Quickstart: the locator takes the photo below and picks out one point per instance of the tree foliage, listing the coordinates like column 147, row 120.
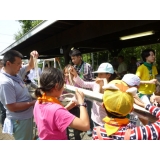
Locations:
column 26, row 25
column 106, row 56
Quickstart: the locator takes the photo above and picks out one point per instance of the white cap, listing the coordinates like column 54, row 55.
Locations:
column 105, row 68
column 131, row 79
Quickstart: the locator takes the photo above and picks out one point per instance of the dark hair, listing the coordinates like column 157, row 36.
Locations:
column 114, row 115
column 10, row 56
column 113, row 76
column 48, row 79
column 74, row 52
column 145, row 53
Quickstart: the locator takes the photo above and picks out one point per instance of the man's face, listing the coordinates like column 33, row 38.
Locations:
column 76, row 60
column 15, row 66
column 151, row 58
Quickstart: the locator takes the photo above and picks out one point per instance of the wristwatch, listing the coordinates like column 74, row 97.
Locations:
column 84, row 104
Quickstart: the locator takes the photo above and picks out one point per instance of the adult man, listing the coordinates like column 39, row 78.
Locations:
column 122, row 67
column 85, row 72
column 146, row 72
column 15, row 97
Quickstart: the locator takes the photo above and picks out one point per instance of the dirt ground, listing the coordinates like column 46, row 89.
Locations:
column 4, row 136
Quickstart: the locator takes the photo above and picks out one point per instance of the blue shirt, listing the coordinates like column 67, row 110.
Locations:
column 12, row 92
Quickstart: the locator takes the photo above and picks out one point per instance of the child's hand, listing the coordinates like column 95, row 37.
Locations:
column 99, row 81
column 79, row 96
column 73, row 71
column 102, row 82
column 71, row 105
column 153, row 81
column 154, row 99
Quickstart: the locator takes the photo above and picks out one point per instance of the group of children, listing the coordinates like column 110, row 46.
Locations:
column 111, row 118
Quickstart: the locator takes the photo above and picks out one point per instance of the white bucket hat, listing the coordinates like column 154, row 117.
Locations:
column 105, row 68
column 131, row 79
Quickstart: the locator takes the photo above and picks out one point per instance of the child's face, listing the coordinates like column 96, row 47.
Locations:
column 150, row 58
column 76, row 60
column 66, row 73
column 104, row 75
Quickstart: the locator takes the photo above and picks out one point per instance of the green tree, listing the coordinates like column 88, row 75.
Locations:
column 26, row 25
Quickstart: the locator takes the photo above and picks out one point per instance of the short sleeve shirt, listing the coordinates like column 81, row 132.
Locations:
column 12, row 92
column 52, row 120
column 143, row 73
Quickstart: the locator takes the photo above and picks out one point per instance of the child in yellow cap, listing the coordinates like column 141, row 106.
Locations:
column 128, row 81
column 118, row 104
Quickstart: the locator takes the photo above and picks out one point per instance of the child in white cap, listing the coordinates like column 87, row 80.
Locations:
column 105, row 74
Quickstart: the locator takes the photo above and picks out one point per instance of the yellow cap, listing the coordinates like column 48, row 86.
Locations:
column 118, row 102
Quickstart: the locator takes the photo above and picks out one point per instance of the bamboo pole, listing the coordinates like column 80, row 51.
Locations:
column 98, row 97
column 88, row 94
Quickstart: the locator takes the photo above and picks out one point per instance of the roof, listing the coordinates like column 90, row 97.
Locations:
column 87, row 35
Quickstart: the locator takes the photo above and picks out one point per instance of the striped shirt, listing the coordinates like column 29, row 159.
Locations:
column 85, row 70
column 147, row 132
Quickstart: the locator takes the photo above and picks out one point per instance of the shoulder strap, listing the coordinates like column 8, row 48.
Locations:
column 98, row 133
column 127, row 134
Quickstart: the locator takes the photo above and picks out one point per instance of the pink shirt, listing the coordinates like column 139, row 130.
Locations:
column 52, row 120
column 97, row 111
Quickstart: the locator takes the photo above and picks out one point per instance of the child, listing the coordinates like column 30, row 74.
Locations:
column 51, row 118
column 118, row 104
column 74, row 109
column 128, row 81
column 105, row 73
column 146, row 72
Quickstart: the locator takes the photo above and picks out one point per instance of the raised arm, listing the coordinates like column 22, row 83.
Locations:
column 33, row 54
column 79, row 81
